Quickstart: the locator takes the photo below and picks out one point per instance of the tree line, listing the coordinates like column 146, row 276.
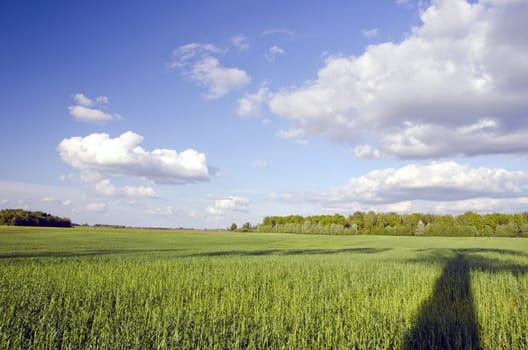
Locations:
column 20, row 217
column 371, row 223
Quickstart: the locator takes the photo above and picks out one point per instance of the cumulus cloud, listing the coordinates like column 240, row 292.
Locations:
column 240, row 41
column 199, row 64
column 219, row 80
column 106, row 188
column 273, row 52
column 139, row 191
column 251, row 104
column 366, row 152
column 456, row 85
column 100, row 153
column 82, row 100
column 88, row 110
column 435, row 183
column 230, row 203
column 86, row 114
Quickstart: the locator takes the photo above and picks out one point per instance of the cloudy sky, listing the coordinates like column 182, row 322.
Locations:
column 203, row 113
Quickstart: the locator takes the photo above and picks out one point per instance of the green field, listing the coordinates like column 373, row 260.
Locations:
column 154, row 289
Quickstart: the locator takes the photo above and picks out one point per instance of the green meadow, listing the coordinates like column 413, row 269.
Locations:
column 90, row 288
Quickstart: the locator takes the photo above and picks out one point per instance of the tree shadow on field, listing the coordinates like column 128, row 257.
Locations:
column 448, row 320
column 336, row 251
column 262, row 252
column 67, row 254
column 290, row 252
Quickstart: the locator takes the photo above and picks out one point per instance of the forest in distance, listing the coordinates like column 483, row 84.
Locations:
column 20, row 217
column 370, row 223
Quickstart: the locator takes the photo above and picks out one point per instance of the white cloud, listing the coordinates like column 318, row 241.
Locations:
column 260, row 164
column 370, row 33
column 219, row 80
column 82, row 100
column 240, row 41
column 122, row 155
column 140, row 191
column 199, row 65
column 456, row 85
column 273, row 52
column 434, row 184
column 102, row 100
column 96, row 207
column 34, row 194
column 482, row 205
column 251, row 104
column 106, row 188
column 85, row 101
column 291, row 133
column 186, row 53
column 366, row 152
column 88, row 176
column 84, row 176
column 85, row 112
column 163, row 211
column 230, row 203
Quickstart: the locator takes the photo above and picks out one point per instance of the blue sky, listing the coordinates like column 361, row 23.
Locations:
column 204, row 113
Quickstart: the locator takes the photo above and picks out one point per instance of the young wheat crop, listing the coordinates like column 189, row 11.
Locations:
column 259, row 291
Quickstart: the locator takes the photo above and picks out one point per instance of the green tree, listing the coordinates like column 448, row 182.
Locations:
column 246, row 227
column 507, row 230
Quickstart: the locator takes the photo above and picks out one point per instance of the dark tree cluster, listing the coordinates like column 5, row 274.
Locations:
column 20, row 217
column 244, row 228
column 371, row 223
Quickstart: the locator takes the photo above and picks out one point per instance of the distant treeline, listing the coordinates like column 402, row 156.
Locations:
column 371, row 223
column 20, row 217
